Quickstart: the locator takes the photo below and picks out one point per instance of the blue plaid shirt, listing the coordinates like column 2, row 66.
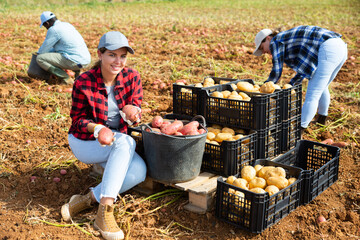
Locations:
column 298, row 48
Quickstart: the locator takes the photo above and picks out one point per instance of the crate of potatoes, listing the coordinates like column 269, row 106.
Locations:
column 259, row 196
column 186, row 97
column 243, row 104
column 226, row 148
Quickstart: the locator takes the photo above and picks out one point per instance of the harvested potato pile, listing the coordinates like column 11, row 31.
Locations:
column 217, row 134
column 262, row 179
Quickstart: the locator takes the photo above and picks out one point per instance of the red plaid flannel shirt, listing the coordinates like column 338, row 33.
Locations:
column 90, row 102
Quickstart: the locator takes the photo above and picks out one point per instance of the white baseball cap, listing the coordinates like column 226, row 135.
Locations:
column 45, row 16
column 259, row 38
column 114, row 40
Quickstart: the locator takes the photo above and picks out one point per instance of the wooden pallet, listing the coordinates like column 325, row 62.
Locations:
column 201, row 190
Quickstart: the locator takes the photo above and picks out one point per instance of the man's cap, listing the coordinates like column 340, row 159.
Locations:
column 114, row 40
column 46, row 16
column 259, row 38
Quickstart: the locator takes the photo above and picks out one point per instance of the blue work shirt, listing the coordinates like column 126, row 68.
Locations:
column 63, row 38
column 299, row 49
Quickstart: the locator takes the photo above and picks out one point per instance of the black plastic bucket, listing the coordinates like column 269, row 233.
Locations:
column 173, row 159
column 35, row 71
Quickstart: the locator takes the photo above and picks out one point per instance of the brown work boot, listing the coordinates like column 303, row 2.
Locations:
column 76, row 204
column 105, row 223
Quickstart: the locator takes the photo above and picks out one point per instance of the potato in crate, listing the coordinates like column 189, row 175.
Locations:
column 320, row 163
column 227, row 148
column 245, row 106
column 259, row 196
column 187, row 99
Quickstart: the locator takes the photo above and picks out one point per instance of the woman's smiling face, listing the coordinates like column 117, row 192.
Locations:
column 113, row 61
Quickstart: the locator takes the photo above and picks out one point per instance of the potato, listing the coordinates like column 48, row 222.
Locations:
column 217, row 94
column 257, row 168
column 244, row 95
column 210, row 135
column 157, row 121
column 245, row 86
column 248, row 173
column 172, row 128
column 135, row 134
column 257, row 190
column 131, row 112
column 226, row 93
column 208, row 85
column 238, row 136
column 235, row 97
column 228, row 130
column 262, row 171
column 234, row 93
column 214, row 130
column 275, row 172
column 215, row 143
column 239, row 194
column 268, row 87
column 291, row 181
column 280, row 182
column 189, row 127
column 257, row 183
column 286, row 86
column 272, row 189
column 220, row 137
column 207, row 140
column 277, row 86
column 241, row 183
column 106, row 136
column 209, row 81
column 230, row 179
column 199, row 85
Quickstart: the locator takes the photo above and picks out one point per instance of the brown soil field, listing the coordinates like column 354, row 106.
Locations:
column 34, row 120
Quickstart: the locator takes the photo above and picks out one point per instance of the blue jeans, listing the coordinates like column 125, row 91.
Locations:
column 123, row 167
column 332, row 55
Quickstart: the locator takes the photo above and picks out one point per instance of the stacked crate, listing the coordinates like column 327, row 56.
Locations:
column 261, row 114
column 291, row 117
column 222, row 159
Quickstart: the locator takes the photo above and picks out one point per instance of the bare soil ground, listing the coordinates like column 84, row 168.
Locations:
column 34, row 119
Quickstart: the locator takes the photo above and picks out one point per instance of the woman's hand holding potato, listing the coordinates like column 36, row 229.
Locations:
column 106, row 136
column 132, row 112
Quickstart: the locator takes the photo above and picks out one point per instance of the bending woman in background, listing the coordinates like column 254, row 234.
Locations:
column 314, row 53
column 98, row 131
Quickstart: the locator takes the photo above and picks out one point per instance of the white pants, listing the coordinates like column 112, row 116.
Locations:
column 332, row 56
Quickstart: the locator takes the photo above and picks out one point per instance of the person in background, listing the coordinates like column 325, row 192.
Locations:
column 105, row 100
column 314, row 53
column 63, row 48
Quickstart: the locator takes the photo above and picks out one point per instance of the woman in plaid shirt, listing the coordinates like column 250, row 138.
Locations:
column 98, row 131
column 314, row 53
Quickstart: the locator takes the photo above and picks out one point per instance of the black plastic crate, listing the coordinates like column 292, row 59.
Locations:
column 262, row 111
column 291, row 102
column 253, row 211
column 135, row 133
column 320, row 163
column 291, row 133
column 269, row 142
column 187, row 100
column 225, row 159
